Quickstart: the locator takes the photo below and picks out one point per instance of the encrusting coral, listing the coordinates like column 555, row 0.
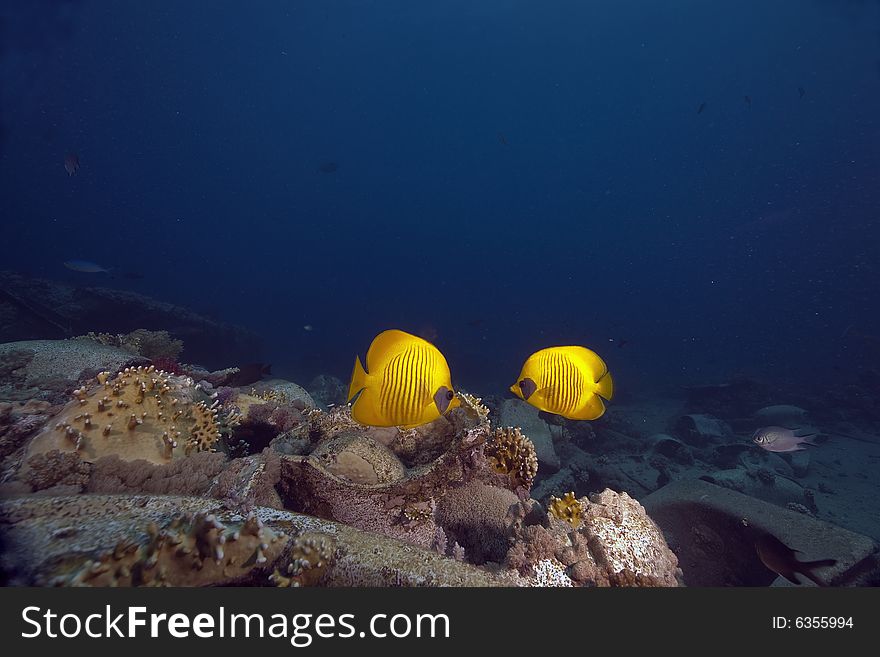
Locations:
column 566, row 508
column 141, row 413
column 145, row 540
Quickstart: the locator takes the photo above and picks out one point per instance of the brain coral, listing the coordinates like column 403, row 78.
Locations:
column 476, row 516
column 142, row 413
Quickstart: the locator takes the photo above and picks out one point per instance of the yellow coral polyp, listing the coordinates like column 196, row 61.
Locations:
column 566, row 508
column 511, row 453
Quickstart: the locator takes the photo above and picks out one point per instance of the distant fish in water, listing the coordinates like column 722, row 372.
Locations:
column 407, row 382
column 781, row 559
column 567, row 381
column 801, row 92
column 85, row 267
column 780, row 439
column 71, row 163
column 621, row 343
column 502, row 139
column 748, row 100
column 701, row 108
column 248, row 374
column 308, row 327
column 328, row 167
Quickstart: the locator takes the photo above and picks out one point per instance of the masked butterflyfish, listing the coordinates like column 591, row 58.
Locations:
column 406, row 383
column 567, row 381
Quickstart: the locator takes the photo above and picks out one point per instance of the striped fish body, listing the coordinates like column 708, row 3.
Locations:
column 406, row 382
column 568, row 381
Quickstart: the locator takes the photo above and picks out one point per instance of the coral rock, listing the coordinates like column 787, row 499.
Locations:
column 142, row 413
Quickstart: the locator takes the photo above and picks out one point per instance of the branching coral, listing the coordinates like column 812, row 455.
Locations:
column 141, row 413
column 511, row 453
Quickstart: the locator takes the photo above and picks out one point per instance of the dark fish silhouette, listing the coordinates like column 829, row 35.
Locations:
column 781, row 559
column 328, row 167
column 71, row 164
column 502, row 139
column 248, row 374
column 801, row 92
column 701, row 108
column 748, row 100
column 620, row 343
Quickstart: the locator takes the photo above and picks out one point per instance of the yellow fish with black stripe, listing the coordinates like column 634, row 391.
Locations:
column 407, row 382
column 567, row 381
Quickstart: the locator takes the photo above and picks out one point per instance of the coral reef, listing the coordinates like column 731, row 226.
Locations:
column 34, row 308
column 328, row 391
column 154, row 345
column 141, row 413
column 48, row 369
column 20, row 420
column 284, row 392
column 191, row 476
column 615, row 544
column 185, row 541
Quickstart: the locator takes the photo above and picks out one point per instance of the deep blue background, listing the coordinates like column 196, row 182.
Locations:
column 511, row 175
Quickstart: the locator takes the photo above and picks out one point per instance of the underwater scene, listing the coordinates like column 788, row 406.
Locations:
column 394, row 293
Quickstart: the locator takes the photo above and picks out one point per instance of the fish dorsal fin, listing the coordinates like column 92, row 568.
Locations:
column 386, row 345
column 588, row 357
column 598, row 370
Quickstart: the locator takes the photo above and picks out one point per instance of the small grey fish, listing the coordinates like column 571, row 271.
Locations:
column 85, row 267
column 701, row 108
column 780, row 439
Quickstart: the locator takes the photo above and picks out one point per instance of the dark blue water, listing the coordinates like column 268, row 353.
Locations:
column 508, row 176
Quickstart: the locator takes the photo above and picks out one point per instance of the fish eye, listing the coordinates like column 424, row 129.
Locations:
column 449, row 395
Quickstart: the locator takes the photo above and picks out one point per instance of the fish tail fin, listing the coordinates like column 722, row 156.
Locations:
column 358, row 378
column 806, row 569
column 605, row 386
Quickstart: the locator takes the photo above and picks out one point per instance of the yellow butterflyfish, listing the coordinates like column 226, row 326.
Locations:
column 567, row 381
column 407, row 382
